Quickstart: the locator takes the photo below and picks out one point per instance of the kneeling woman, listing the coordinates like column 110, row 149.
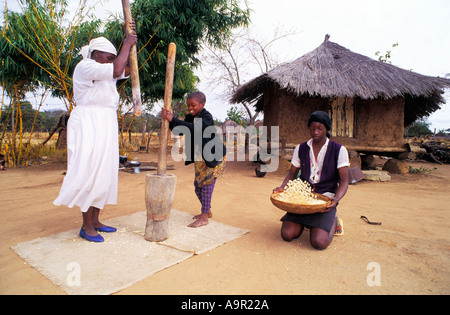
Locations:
column 324, row 164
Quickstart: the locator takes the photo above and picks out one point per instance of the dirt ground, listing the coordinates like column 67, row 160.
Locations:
column 409, row 253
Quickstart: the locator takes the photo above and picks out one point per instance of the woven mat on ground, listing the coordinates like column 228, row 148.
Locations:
column 81, row 267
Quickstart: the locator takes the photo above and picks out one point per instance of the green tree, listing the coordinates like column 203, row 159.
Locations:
column 237, row 115
column 187, row 23
column 419, row 128
column 37, row 47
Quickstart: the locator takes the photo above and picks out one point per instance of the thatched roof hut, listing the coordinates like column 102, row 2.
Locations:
column 362, row 95
column 228, row 125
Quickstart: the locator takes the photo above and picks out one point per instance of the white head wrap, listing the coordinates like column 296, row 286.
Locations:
column 99, row 43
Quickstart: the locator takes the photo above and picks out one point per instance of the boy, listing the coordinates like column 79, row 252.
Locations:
column 207, row 167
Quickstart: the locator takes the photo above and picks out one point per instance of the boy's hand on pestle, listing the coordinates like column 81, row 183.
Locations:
column 166, row 114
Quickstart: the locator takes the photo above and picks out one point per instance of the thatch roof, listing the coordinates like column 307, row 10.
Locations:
column 334, row 71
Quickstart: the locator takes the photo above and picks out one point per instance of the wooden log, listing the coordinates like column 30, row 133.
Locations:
column 160, row 188
column 135, row 85
column 394, row 166
column 170, row 68
column 415, row 148
column 159, row 196
column 407, row 156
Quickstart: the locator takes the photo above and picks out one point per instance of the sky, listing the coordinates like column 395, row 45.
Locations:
column 421, row 29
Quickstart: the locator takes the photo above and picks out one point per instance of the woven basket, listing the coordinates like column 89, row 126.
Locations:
column 300, row 209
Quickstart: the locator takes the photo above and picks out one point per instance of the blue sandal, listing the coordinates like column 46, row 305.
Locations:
column 97, row 239
column 107, row 229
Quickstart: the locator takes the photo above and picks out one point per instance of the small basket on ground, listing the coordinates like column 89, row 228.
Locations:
column 301, row 208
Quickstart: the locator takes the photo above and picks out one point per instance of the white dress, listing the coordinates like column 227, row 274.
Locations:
column 92, row 139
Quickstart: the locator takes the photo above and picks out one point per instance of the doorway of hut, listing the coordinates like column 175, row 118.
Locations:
column 342, row 114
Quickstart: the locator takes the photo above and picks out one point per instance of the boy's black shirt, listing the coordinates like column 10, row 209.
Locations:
column 207, row 120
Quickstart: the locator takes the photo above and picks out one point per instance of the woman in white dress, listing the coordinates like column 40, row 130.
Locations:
column 91, row 180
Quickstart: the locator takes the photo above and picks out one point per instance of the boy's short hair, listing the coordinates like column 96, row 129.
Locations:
column 199, row 96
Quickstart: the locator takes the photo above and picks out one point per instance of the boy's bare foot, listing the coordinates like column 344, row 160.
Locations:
column 196, row 217
column 201, row 221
